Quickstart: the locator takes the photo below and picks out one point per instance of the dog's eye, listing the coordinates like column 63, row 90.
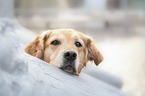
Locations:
column 78, row 44
column 55, row 42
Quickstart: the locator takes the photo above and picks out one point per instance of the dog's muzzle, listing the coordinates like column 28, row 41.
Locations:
column 69, row 61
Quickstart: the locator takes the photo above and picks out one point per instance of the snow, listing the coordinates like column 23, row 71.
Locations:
column 25, row 75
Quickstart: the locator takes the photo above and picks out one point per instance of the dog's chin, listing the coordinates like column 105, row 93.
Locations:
column 68, row 69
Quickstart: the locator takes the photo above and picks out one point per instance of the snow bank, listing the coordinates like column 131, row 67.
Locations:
column 25, row 75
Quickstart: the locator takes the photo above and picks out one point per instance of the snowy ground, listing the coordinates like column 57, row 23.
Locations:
column 24, row 75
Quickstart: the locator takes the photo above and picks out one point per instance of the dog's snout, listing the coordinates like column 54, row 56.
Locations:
column 70, row 55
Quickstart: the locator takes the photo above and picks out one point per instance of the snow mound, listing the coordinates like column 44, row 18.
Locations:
column 25, row 75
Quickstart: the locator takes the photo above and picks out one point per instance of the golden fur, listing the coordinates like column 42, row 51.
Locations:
column 41, row 47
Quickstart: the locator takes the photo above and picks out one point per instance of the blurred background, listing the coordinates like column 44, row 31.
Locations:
column 117, row 26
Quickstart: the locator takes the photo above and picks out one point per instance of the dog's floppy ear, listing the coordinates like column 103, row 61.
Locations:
column 93, row 52
column 36, row 48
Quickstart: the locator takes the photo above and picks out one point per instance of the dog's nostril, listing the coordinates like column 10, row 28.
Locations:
column 67, row 54
column 71, row 55
column 74, row 55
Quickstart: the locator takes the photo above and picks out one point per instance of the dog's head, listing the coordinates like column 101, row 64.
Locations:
column 65, row 48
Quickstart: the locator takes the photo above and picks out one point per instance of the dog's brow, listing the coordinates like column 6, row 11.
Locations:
column 56, row 38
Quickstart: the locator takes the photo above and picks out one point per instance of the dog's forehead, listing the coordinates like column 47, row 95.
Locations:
column 65, row 34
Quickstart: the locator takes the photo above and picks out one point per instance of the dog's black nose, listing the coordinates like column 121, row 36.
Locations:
column 70, row 55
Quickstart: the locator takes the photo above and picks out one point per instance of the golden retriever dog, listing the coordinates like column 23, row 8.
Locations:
column 67, row 49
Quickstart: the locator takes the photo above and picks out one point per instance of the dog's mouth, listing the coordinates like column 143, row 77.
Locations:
column 68, row 68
